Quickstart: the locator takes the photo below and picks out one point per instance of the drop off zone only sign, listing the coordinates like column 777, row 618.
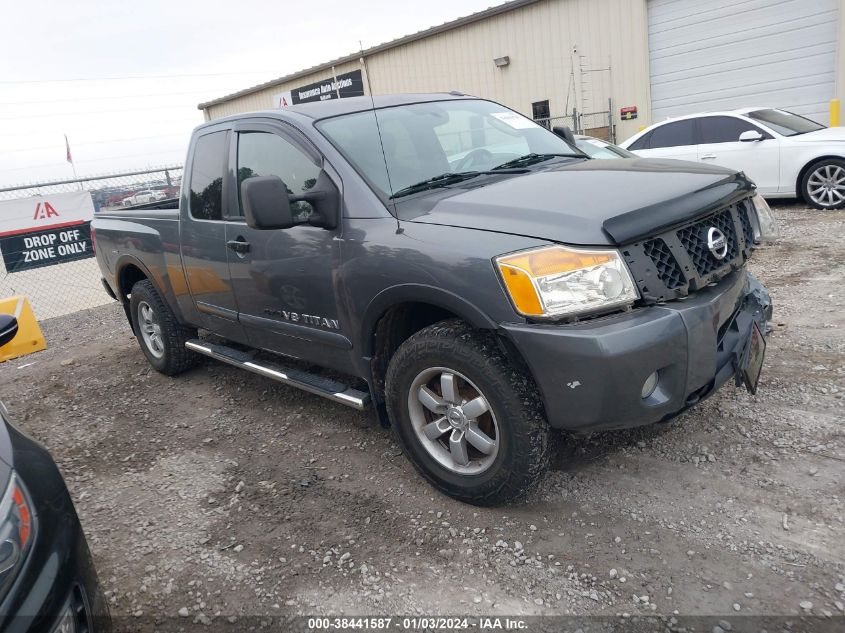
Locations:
column 45, row 230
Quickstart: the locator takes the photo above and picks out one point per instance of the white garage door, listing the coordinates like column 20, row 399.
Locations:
column 724, row 54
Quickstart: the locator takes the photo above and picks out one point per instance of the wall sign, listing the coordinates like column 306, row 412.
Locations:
column 45, row 230
column 347, row 85
column 628, row 113
column 282, row 99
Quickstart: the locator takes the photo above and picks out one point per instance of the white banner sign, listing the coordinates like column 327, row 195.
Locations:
column 282, row 100
column 39, row 213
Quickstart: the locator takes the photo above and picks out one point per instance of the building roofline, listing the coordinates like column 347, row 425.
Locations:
column 407, row 39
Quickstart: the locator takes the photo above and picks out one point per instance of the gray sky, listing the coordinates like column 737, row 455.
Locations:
column 123, row 79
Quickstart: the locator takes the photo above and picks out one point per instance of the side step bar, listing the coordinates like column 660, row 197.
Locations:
column 326, row 387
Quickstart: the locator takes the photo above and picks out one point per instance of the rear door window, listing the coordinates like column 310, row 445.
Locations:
column 206, row 198
column 675, row 134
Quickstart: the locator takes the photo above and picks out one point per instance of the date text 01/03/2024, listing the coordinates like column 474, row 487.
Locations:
column 422, row 623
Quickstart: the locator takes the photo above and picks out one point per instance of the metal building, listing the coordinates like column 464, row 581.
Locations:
column 605, row 67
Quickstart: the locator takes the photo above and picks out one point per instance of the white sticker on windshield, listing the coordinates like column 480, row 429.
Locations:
column 516, row 121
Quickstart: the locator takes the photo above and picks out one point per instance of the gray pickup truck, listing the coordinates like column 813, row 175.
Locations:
column 470, row 275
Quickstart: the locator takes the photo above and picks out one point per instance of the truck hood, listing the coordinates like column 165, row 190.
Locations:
column 592, row 202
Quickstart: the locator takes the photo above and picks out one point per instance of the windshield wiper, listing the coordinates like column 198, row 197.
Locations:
column 533, row 159
column 449, row 178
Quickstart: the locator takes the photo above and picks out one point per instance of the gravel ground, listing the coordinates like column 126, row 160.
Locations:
column 218, row 494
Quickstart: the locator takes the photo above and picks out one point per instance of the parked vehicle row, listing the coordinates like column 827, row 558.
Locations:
column 479, row 280
column 785, row 154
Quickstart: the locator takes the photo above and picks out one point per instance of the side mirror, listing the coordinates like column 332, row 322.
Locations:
column 565, row 133
column 750, row 136
column 8, row 328
column 268, row 203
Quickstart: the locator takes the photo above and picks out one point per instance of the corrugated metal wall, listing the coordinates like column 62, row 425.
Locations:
column 724, row 54
column 552, row 45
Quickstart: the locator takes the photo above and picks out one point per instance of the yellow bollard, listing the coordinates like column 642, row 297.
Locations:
column 29, row 338
column 641, row 128
column 834, row 113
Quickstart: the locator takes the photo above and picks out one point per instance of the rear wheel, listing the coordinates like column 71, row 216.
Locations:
column 161, row 337
column 469, row 421
column 823, row 186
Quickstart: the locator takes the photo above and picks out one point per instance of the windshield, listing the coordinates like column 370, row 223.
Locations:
column 425, row 141
column 785, row 123
column 596, row 148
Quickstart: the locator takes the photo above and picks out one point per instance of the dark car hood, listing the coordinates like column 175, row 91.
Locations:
column 589, row 202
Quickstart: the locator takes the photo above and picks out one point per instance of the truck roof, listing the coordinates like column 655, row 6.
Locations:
column 335, row 107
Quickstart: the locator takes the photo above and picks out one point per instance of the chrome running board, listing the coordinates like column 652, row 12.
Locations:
column 325, row 387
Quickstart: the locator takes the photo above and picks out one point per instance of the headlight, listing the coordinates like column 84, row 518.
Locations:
column 766, row 228
column 16, row 532
column 560, row 281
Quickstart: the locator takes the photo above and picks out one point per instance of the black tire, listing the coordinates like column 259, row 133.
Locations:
column 522, row 432
column 818, row 173
column 172, row 357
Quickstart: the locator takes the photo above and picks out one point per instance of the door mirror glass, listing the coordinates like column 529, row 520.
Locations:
column 266, row 201
column 749, row 136
column 8, row 328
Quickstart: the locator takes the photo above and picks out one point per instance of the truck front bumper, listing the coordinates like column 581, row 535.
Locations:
column 591, row 374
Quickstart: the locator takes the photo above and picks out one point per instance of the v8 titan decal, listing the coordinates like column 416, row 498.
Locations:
column 305, row 319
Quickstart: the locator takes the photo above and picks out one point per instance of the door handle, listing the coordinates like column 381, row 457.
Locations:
column 240, row 245
column 708, row 157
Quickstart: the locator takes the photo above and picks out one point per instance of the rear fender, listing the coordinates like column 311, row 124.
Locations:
column 158, row 274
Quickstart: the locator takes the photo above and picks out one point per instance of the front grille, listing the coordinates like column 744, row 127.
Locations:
column 694, row 239
column 677, row 262
column 667, row 266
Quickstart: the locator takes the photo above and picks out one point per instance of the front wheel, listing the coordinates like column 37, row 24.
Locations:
column 469, row 421
column 823, row 186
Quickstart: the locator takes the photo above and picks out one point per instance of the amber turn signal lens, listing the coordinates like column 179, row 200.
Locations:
column 521, row 290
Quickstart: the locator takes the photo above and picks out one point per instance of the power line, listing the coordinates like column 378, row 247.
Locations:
column 103, row 98
column 134, row 77
column 60, row 144
column 55, row 114
column 189, row 122
column 91, row 160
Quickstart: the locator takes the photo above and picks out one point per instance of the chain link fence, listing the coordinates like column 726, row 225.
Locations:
column 63, row 288
column 596, row 124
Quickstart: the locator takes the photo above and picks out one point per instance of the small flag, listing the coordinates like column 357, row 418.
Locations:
column 67, row 147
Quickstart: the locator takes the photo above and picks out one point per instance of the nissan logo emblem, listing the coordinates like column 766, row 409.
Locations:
column 717, row 243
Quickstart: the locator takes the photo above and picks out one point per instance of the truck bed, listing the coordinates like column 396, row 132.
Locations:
column 170, row 203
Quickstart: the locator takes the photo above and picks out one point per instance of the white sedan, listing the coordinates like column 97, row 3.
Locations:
column 144, row 197
column 785, row 154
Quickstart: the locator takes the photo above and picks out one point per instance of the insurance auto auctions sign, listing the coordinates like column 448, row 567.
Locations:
column 345, row 85
column 45, row 230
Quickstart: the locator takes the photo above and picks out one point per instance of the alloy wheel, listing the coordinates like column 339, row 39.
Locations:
column 826, row 185
column 150, row 329
column 453, row 421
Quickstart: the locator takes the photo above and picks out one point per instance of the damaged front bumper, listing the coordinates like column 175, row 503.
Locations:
column 593, row 375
